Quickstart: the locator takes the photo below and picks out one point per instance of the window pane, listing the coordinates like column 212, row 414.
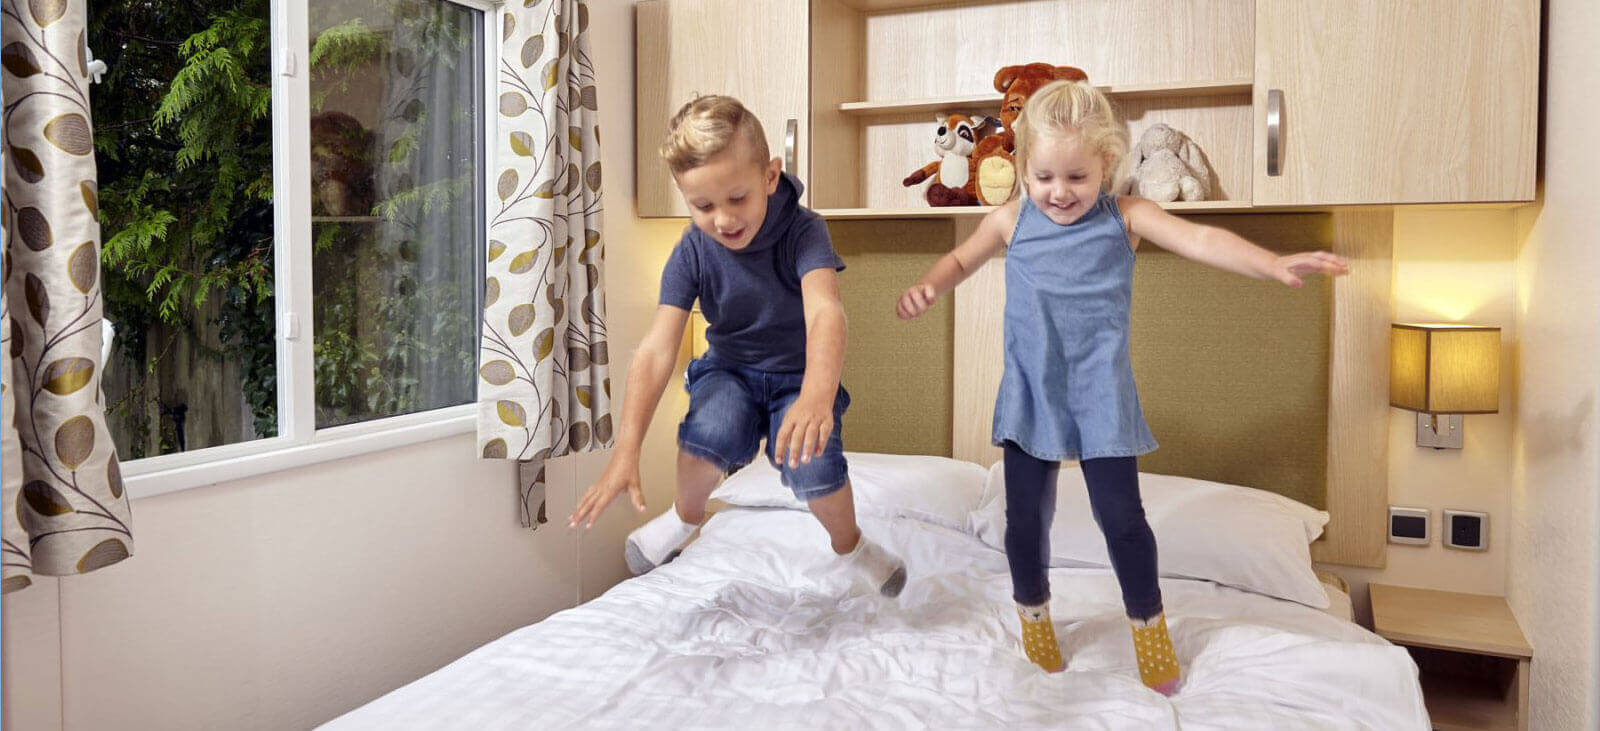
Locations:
column 183, row 135
column 397, row 203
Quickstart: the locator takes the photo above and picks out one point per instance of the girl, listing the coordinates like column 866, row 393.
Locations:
column 1068, row 390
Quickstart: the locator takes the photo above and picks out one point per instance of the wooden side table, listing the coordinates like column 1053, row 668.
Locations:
column 1470, row 651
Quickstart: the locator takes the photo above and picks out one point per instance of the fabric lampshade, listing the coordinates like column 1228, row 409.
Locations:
column 1444, row 369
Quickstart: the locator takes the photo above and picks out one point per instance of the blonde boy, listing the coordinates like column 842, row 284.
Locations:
column 765, row 273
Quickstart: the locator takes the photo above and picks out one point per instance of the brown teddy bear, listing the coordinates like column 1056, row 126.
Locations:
column 992, row 158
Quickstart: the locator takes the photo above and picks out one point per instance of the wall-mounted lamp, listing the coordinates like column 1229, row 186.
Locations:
column 1444, row 370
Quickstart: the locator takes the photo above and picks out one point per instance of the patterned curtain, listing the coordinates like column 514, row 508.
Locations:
column 65, row 511
column 544, row 388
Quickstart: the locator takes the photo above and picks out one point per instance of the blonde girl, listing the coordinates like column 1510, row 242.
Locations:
column 1068, row 391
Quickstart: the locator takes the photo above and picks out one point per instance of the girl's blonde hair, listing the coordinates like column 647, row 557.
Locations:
column 705, row 127
column 1072, row 110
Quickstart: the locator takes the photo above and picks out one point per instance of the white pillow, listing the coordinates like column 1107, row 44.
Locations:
column 1235, row 536
column 936, row 490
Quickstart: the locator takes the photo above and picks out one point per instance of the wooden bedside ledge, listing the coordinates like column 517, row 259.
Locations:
column 1447, row 620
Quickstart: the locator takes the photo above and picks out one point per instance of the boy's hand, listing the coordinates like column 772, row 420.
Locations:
column 917, row 300
column 806, row 427
column 620, row 474
column 1289, row 269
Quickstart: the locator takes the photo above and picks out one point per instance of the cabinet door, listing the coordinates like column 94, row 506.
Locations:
column 1380, row 101
column 755, row 50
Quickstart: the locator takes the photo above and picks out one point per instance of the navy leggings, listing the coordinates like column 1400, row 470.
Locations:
column 1114, row 500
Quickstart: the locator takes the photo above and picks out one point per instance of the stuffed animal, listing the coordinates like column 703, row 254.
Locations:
column 341, row 166
column 955, row 179
column 992, row 158
column 1168, row 166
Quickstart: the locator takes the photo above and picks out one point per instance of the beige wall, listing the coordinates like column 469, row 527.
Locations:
column 284, row 600
column 1556, row 475
column 1452, row 265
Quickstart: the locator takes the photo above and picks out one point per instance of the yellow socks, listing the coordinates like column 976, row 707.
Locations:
column 1039, row 637
column 1158, row 664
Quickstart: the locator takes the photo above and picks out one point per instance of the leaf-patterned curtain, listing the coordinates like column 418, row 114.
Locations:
column 65, row 511
column 544, row 388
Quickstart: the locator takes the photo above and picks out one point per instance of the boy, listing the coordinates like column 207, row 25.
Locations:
column 764, row 270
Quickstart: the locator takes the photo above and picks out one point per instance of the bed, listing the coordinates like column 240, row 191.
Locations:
column 1259, row 389
column 749, row 628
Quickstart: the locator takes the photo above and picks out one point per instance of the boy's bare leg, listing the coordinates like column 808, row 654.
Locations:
column 837, row 514
column 696, row 479
column 659, row 540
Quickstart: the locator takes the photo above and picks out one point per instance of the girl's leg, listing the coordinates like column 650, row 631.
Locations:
column 1030, row 506
column 1114, row 499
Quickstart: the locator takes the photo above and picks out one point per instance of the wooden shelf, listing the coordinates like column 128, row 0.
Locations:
column 992, row 101
column 1476, row 623
column 877, row 5
column 1467, row 704
column 847, row 214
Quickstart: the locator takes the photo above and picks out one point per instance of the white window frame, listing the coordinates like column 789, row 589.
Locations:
column 299, row 442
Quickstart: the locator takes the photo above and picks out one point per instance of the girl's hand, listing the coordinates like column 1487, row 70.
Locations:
column 917, row 300
column 621, row 475
column 1289, row 269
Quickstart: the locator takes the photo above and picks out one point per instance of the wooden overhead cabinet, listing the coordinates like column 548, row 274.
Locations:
column 1372, row 101
column 755, row 50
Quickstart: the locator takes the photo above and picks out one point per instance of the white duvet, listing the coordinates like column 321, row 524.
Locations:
column 750, row 628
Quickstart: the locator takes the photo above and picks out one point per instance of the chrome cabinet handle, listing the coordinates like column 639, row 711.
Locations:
column 1274, row 132
column 791, row 134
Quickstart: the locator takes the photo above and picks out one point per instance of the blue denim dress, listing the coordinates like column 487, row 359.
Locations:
column 1068, row 390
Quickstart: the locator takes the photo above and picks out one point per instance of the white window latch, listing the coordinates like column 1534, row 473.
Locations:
column 290, row 327
column 286, row 63
column 95, row 66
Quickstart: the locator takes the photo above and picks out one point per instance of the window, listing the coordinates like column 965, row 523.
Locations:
column 186, row 204
column 294, row 215
column 397, row 208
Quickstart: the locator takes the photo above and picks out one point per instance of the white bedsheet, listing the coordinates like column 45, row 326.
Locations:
column 750, row 628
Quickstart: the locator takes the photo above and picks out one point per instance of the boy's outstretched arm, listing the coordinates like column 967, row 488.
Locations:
column 954, row 268
column 1221, row 248
column 809, row 420
column 647, row 378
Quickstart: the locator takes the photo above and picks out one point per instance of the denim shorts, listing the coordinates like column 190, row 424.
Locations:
column 732, row 408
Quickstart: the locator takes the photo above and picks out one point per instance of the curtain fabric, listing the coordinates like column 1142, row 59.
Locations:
column 544, row 388
column 65, row 509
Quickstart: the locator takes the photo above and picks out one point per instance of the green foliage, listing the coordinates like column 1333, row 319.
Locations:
column 184, row 140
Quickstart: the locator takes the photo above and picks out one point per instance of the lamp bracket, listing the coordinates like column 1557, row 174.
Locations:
column 1440, row 431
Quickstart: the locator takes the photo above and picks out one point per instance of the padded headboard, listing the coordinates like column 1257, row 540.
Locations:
column 899, row 374
column 1242, row 381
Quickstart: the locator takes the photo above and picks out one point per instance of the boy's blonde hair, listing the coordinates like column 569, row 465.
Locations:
column 705, row 127
column 1072, row 110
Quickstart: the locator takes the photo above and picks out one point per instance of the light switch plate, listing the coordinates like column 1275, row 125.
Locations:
column 1409, row 525
column 1466, row 530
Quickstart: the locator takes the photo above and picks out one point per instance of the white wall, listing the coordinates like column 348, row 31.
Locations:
column 1554, row 556
column 284, row 600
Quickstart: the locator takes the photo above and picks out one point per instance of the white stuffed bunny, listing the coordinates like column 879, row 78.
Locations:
column 1168, row 166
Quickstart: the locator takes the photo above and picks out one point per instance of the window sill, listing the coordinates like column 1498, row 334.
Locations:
column 173, row 472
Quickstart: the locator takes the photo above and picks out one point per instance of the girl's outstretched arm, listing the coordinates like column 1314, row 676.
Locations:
column 954, row 268
column 1221, row 248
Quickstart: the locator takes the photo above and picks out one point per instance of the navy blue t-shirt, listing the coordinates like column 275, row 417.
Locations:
column 750, row 298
